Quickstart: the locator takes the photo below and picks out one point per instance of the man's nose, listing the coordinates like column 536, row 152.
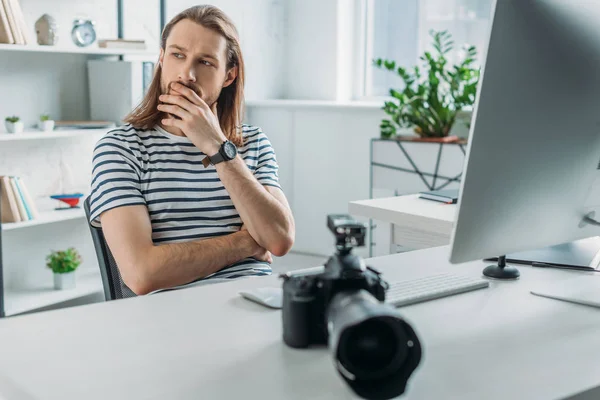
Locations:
column 187, row 74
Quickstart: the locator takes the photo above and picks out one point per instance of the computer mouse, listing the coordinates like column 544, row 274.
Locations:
column 271, row 297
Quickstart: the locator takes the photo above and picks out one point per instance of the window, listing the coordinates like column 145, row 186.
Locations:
column 399, row 30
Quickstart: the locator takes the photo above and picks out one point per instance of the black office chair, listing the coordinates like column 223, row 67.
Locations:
column 114, row 288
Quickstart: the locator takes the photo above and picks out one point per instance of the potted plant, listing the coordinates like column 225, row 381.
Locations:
column 13, row 124
column 433, row 96
column 63, row 264
column 46, row 124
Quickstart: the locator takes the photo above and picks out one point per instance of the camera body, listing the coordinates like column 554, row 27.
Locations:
column 306, row 297
column 343, row 306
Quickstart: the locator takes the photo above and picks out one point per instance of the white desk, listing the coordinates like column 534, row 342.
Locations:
column 417, row 223
column 208, row 343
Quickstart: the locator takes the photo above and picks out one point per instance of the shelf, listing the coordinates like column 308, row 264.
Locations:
column 46, row 217
column 56, row 134
column 293, row 103
column 34, row 48
column 18, row 301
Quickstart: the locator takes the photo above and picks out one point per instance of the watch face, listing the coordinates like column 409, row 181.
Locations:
column 83, row 33
column 230, row 150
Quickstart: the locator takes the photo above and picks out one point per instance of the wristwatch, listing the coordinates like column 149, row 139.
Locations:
column 227, row 152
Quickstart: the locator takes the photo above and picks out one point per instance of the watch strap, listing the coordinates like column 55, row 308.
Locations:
column 217, row 158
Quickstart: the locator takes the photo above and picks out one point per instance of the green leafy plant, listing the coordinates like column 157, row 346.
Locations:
column 432, row 96
column 13, row 119
column 62, row 262
column 44, row 117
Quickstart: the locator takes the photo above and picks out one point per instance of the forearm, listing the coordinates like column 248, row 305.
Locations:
column 180, row 263
column 268, row 220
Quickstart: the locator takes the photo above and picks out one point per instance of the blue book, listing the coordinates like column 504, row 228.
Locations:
column 22, row 196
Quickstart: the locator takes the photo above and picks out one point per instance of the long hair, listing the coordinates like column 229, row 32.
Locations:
column 231, row 100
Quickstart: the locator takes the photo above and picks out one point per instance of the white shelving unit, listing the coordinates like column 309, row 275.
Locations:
column 18, row 301
column 47, row 217
column 93, row 50
column 56, row 134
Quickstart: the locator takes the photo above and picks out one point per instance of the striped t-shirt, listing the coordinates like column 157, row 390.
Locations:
column 165, row 173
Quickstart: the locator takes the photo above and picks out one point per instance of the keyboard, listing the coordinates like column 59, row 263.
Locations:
column 412, row 291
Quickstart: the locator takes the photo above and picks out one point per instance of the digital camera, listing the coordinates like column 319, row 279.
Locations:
column 374, row 349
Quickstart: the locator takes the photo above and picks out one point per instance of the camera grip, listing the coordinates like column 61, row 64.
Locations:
column 296, row 318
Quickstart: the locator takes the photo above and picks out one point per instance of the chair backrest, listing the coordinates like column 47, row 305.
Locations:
column 114, row 287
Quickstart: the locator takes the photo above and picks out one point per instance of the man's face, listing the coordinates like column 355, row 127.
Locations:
column 196, row 57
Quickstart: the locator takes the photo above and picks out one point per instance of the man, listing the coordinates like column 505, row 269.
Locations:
column 184, row 192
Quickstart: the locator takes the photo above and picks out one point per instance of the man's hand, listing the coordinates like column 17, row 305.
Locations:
column 198, row 121
column 261, row 254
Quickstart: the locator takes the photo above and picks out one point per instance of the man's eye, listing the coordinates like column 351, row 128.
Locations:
column 207, row 63
column 178, row 55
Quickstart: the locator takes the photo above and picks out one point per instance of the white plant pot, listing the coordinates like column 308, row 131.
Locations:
column 14, row 127
column 64, row 281
column 46, row 126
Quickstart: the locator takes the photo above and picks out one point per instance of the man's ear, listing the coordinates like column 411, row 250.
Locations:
column 161, row 57
column 231, row 75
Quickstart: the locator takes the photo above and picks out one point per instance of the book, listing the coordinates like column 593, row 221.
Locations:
column 20, row 20
column 122, row 44
column 12, row 22
column 10, row 211
column 22, row 197
column 29, row 203
column 6, row 35
column 449, row 196
column 19, row 200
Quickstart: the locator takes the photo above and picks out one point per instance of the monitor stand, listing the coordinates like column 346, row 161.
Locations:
column 501, row 270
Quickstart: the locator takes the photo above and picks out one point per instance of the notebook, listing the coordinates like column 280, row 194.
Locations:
column 449, row 196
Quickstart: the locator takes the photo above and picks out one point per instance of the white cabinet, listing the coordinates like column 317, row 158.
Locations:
column 323, row 154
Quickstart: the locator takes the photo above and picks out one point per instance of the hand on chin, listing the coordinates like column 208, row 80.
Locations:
column 190, row 114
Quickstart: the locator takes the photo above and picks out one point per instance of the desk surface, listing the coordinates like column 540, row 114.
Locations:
column 208, row 343
column 417, row 223
column 397, row 209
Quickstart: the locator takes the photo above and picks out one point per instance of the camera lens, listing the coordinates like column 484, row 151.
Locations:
column 372, row 345
column 374, row 349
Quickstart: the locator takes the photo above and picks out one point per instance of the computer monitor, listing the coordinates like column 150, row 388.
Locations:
column 531, row 176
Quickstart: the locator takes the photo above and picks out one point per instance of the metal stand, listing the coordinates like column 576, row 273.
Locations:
column 501, row 270
column 438, row 182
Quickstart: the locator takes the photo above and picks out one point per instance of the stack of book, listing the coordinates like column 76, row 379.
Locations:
column 13, row 29
column 122, row 44
column 16, row 202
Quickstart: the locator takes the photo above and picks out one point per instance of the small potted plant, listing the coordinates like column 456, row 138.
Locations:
column 14, row 124
column 433, row 97
column 46, row 124
column 63, row 264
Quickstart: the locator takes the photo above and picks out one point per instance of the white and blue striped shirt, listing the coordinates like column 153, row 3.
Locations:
column 185, row 201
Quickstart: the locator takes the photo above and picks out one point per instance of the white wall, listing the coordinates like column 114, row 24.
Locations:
column 323, row 155
column 320, row 51
column 261, row 26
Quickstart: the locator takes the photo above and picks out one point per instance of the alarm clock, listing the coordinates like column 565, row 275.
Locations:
column 83, row 32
